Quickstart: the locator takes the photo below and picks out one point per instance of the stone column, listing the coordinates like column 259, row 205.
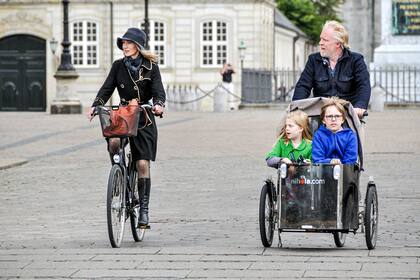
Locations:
column 66, row 102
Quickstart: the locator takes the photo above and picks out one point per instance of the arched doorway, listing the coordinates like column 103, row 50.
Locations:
column 22, row 73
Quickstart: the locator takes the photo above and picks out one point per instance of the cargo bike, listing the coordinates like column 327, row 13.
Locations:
column 321, row 198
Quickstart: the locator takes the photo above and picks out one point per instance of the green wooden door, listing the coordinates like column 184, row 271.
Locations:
column 22, row 73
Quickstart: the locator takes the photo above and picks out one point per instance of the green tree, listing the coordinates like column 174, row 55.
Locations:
column 310, row 15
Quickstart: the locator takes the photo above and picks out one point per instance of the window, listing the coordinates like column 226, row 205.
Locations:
column 157, row 39
column 213, row 43
column 84, row 39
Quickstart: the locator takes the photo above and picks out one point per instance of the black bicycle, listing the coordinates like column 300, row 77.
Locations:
column 122, row 200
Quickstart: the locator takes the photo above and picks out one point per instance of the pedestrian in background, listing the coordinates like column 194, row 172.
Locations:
column 335, row 70
column 226, row 73
column 136, row 76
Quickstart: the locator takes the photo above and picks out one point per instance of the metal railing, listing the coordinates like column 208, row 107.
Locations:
column 401, row 85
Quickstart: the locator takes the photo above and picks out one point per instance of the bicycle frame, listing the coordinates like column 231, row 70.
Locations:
column 121, row 160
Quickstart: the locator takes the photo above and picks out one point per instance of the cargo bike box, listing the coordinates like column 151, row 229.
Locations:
column 319, row 197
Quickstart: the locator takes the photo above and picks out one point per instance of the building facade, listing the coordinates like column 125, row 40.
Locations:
column 192, row 38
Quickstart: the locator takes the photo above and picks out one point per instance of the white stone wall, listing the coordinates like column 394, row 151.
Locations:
column 301, row 56
column 284, row 48
column 250, row 21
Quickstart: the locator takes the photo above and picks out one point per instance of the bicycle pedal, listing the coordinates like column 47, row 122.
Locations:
column 144, row 227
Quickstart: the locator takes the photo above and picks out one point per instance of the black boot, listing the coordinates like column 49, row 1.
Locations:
column 144, row 195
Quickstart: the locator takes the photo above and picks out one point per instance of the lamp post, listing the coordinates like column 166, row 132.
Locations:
column 146, row 22
column 242, row 49
column 65, row 102
column 65, row 64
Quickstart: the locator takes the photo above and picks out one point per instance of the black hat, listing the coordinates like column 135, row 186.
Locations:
column 135, row 35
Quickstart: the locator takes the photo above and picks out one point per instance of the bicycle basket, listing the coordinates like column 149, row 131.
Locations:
column 118, row 121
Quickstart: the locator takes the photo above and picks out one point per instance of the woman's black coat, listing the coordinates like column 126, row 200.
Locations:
column 350, row 81
column 148, row 86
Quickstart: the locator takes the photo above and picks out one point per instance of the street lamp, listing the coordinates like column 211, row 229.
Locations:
column 146, row 23
column 53, row 45
column 66, row 64
column 242, row 49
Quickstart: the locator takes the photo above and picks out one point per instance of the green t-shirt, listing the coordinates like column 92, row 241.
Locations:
column 282, row 150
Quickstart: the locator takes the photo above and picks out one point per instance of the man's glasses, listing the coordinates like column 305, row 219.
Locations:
column 334, row 117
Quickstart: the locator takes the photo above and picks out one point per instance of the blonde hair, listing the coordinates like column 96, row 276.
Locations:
column 337, row 103
column 301, row 119
column 150, row 55
column 147, row 54
column 340, row 32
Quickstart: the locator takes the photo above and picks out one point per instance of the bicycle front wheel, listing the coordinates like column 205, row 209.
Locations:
column 116, row 213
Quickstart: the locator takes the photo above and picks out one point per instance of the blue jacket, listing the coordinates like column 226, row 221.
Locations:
column 350, row 81
column 327, row 145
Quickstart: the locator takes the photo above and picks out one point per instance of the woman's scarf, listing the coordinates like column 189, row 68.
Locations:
column 133, row 65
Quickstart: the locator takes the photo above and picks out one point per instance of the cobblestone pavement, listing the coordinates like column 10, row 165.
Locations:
column 204, row 202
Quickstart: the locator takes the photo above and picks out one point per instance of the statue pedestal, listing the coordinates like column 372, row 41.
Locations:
column 66, row 101
column 397, row 55
column 399, row 46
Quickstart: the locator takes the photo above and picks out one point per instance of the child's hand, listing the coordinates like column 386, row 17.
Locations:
column 335, row 161
column 286, row 160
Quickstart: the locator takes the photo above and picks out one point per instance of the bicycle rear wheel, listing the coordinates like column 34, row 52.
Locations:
column 138, row 233
column 116, row 213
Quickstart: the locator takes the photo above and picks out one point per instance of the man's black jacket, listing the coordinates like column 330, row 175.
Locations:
column 350, row 81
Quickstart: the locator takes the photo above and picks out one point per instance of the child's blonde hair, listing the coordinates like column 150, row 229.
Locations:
column 337, row 103
column 302, row 120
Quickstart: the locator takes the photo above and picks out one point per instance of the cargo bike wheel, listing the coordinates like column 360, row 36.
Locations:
column 266, row 214
column 371, row 217
column 116, row 212
column 339, row 239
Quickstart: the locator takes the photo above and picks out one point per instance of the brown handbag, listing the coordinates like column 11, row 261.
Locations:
column 120, row 121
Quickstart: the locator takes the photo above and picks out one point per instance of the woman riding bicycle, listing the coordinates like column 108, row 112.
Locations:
column 136, row 76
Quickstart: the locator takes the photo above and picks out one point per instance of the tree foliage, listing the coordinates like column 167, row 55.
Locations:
column 310, row 15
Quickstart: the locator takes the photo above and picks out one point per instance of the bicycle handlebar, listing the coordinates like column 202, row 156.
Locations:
column 144, row 106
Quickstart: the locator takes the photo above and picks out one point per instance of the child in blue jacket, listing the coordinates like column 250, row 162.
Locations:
column 332, row 143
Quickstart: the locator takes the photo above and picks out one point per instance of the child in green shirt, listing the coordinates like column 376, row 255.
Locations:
column 294, row 140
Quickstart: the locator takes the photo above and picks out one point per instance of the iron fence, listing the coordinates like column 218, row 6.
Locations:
column 257, row 86
column 400, row 85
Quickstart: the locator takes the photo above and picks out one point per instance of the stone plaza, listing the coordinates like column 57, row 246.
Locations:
column 206, row 183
